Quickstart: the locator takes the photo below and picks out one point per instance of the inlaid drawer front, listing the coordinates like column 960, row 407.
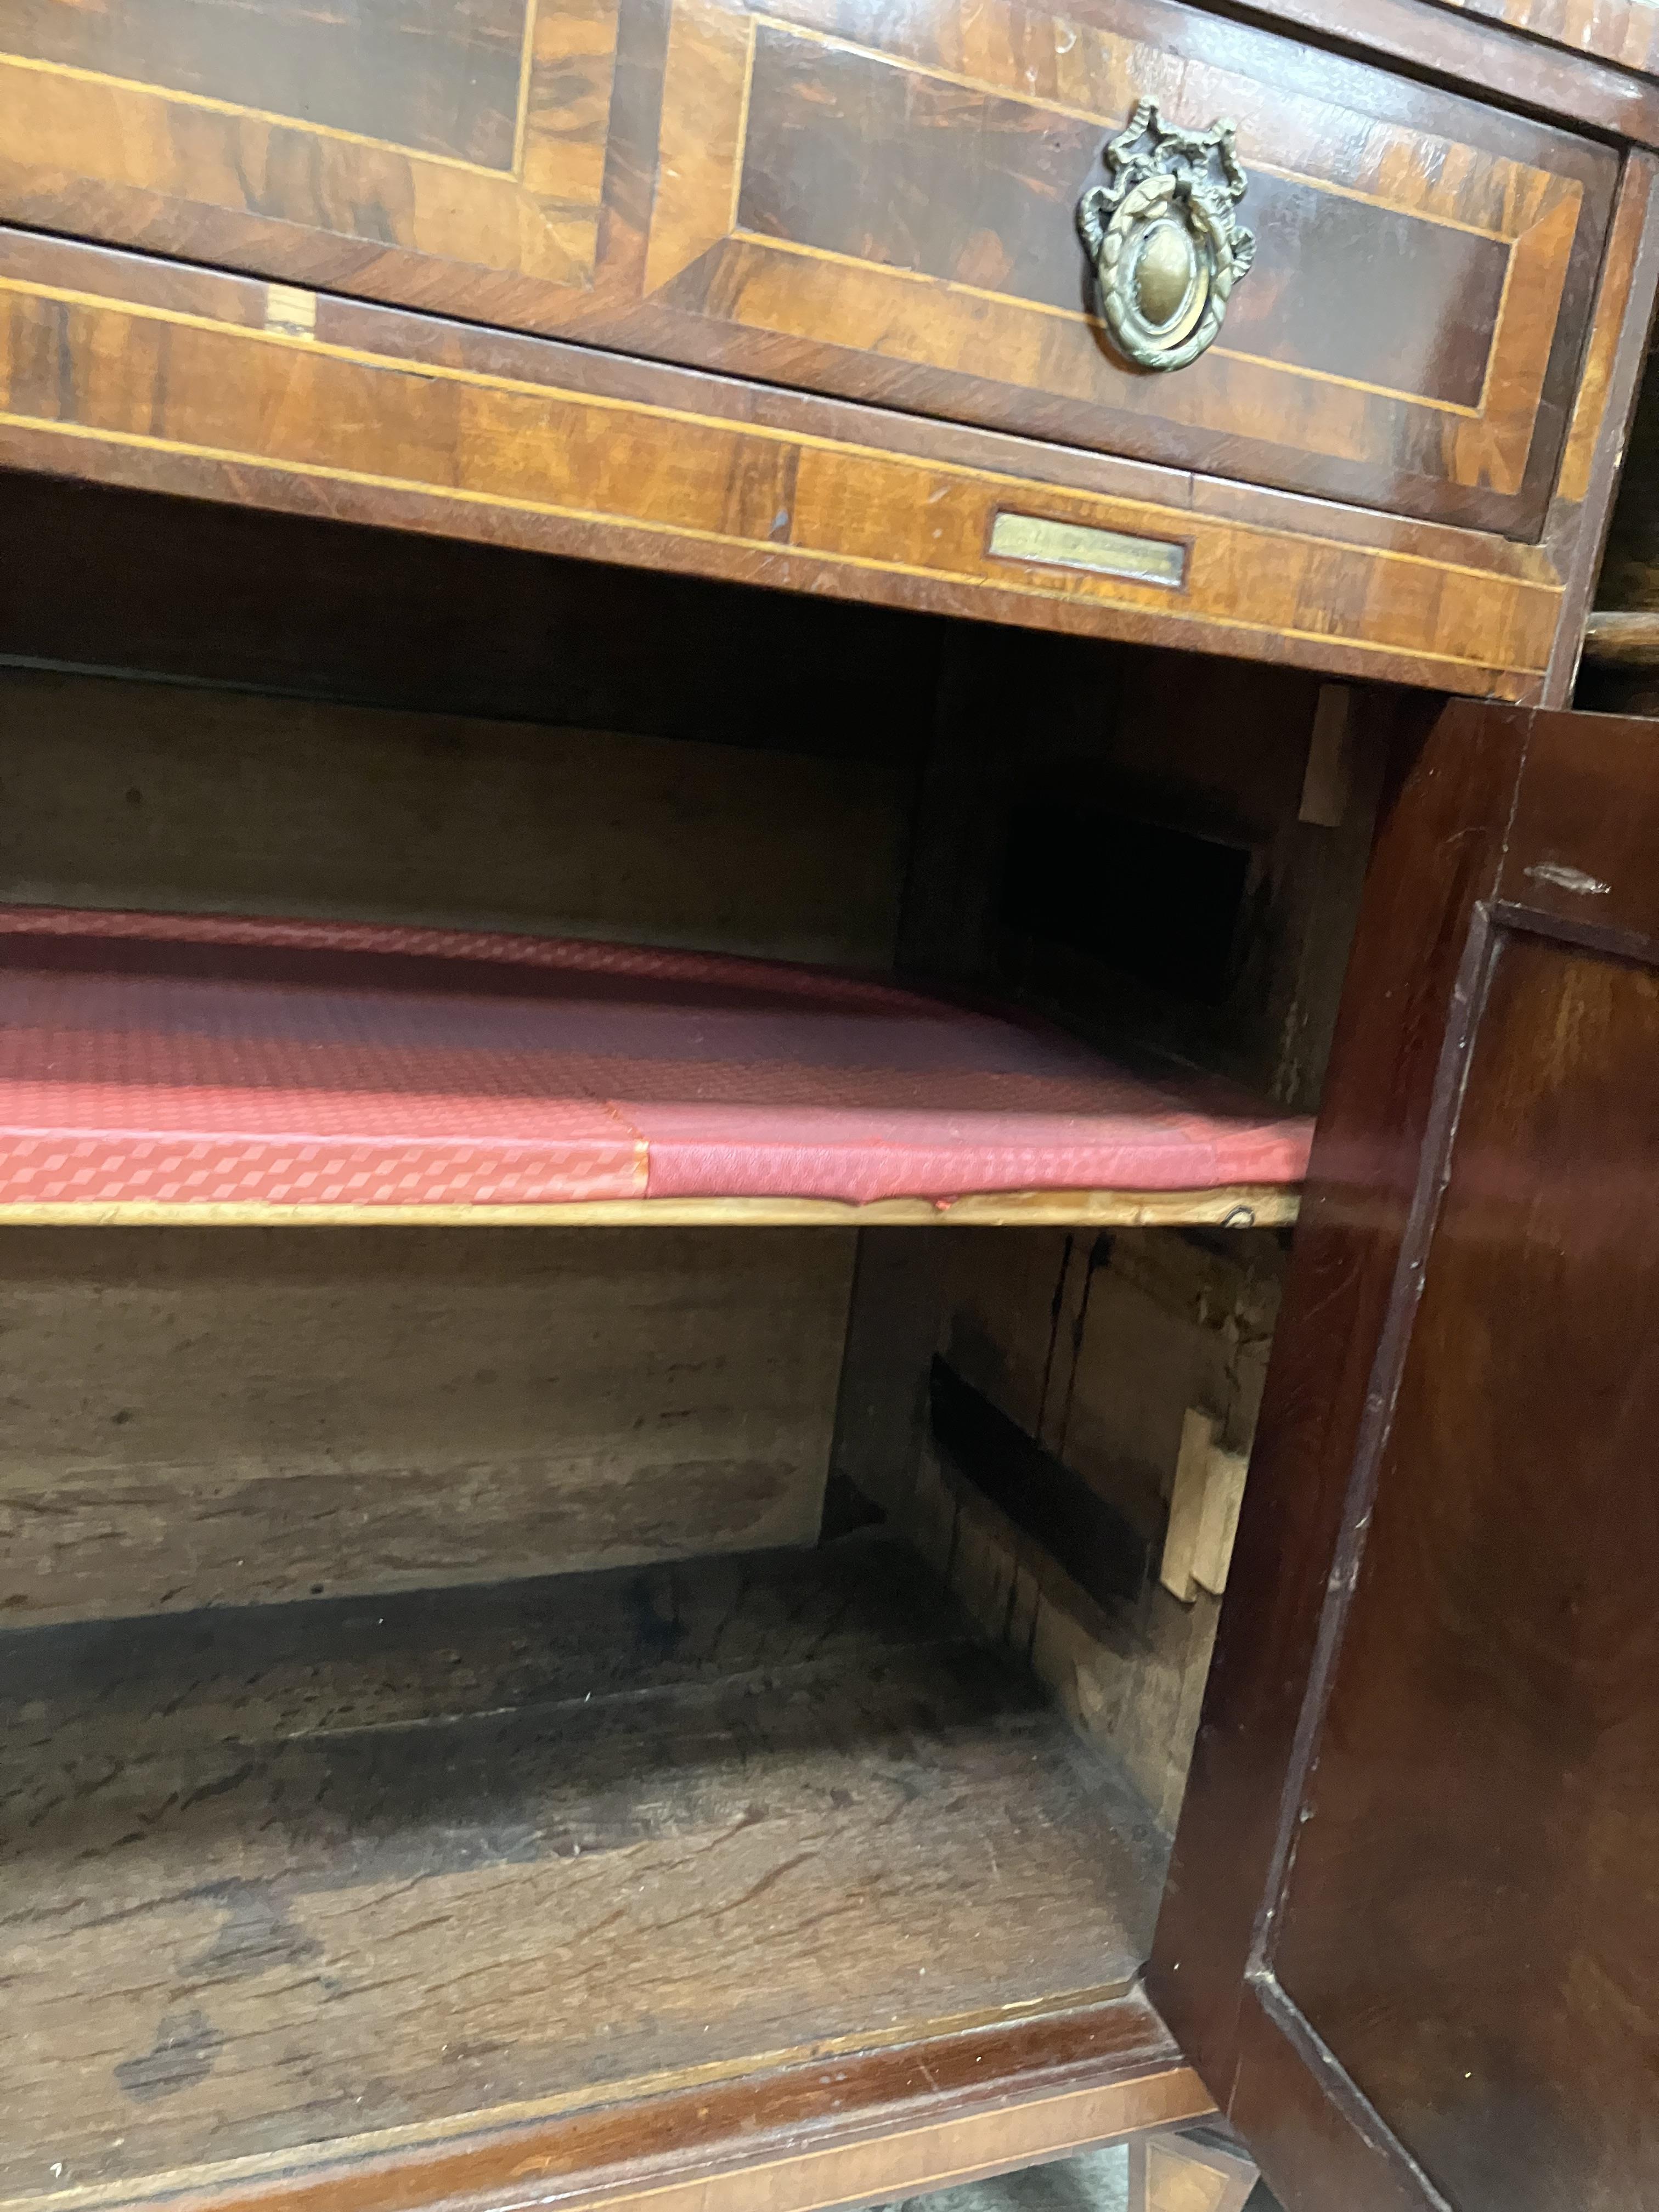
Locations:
column 448, row 146
column 882, row 201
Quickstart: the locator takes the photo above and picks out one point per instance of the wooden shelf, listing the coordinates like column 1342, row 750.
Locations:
column 1615, row 638
column 361, row 1878
column 192, row 1068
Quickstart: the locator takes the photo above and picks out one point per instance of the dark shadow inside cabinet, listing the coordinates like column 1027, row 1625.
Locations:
column 458, row 1674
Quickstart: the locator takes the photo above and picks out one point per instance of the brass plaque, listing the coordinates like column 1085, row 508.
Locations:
column 1078, row 545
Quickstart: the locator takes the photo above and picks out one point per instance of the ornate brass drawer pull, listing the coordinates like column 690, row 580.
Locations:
column 1161, row 236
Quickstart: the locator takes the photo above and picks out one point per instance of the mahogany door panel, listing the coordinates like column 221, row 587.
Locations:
column 872, row 203
column 1413, row 1927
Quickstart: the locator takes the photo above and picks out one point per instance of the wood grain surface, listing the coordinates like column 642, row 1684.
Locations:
column 1443, row 799
column 1229, row 1205
column 342, row 1875
column 434, row 145
column 829, row 196
column 154, row 375
column 1075, row 1359
column 1473, row 1914
column 1468, row 45
column 216, row 1417
column 1606, row 411
column 1626, row 590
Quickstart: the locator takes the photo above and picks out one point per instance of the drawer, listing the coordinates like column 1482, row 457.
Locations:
column 869, row 203
column 883, row 203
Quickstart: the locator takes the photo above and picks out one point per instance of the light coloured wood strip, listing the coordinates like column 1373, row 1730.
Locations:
column 1237, row 1205
column 1501, row 443
column 1620, row 638
column 570, row 53
column 1626, row 32
column 710, row 57
column 1632, row 223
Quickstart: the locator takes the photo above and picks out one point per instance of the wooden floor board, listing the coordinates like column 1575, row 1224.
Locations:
column 299, row 1876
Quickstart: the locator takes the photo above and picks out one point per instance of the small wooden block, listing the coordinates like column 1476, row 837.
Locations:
column 1203, row 1508
column 1224, row 1494
column 1188, row 2173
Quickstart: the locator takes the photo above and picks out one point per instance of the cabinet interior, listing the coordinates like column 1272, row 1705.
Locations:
column 454, row 1674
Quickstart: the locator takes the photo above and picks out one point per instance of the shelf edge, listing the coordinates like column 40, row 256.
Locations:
column 1235, row 1205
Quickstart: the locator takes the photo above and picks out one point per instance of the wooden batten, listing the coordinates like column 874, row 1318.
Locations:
column 1623, row 637
column 1620, row 668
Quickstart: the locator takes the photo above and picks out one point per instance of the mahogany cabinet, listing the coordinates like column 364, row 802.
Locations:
column 826, row 1103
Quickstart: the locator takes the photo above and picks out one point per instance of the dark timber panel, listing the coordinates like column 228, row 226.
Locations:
column 983, row 176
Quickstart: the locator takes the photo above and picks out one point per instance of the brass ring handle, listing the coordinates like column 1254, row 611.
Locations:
column 1160, row 235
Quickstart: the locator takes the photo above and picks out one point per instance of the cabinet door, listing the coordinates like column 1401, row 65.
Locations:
column 1410, row 1936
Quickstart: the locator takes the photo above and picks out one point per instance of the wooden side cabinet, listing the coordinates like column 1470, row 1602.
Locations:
column 790, row 844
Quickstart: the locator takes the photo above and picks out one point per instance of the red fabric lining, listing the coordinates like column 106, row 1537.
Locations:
column 196, row 1057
